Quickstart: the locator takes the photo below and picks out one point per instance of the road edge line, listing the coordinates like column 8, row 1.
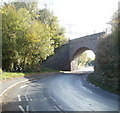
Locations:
column 11, row 86
column 4, row 91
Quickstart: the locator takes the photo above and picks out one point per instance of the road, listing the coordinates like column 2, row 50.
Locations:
column 63, row 92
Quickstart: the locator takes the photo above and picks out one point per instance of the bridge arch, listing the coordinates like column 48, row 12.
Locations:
column 75, row 57
column 79, row 52
column 67, row 53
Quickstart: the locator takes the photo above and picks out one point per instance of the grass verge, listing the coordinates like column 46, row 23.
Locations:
column 11, row 75
column 98, row 82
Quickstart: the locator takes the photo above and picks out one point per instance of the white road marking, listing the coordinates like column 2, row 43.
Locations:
column 30, row 98
column 27, row 108
column 26, row 98
column 86, row 89
column 56, row 108
column 4, row 91
column 21, row 108
column 60, row 106
column 45, row 98
column 23, row 86
column 53, row 99
column 19, row 98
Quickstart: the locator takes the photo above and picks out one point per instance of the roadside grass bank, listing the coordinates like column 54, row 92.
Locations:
column 109, row 84
column 10, row 75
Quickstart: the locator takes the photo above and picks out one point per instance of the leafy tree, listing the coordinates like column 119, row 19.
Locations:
column 115, row 22
column 26, row 41
column 106, row 70
column 30, row 6
column 91, row 62
column 9, row 24
column 57, row 33
column 83, row 59
column 29, row 36
column 107, row 55
column 19, row 5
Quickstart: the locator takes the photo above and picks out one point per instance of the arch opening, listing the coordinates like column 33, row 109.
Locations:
column 83, row 60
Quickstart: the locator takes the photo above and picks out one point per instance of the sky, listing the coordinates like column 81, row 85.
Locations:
column 81, row 17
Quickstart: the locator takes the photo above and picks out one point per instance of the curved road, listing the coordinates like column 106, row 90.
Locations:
column 63, row 92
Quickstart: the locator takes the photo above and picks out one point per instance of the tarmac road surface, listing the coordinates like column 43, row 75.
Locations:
column 63, row 92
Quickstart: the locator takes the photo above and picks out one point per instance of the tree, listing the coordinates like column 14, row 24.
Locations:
column 57, row 33
column 29, row 35
column 106, row 71
column 115, row 21
column 107, row 55
column 26, row 41
column 30, row 6
column 83, row 59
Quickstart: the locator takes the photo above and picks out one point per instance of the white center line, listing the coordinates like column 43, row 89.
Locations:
column 21, row 108
column 27, row 108
column 19, row 98
column 26, row 98
column 30, row 98
column 60, row 106
column 53, row 99
column 23, row 86
column 56, row 108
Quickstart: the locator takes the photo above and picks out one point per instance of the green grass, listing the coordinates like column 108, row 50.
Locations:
column 11, row 75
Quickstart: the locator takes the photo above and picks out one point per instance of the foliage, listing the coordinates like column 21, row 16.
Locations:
column 115, row 22
column 107, row 55
column 91, row 62
column 0, row 71
column 27, row 41
column 30, row 6
column 9, row 75
column 111, row 84
column 57, row 33
column 44, row 69
column 106, row 72
column 85, row 60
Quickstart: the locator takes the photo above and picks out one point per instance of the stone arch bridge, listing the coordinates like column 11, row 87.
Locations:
column 65, row 56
